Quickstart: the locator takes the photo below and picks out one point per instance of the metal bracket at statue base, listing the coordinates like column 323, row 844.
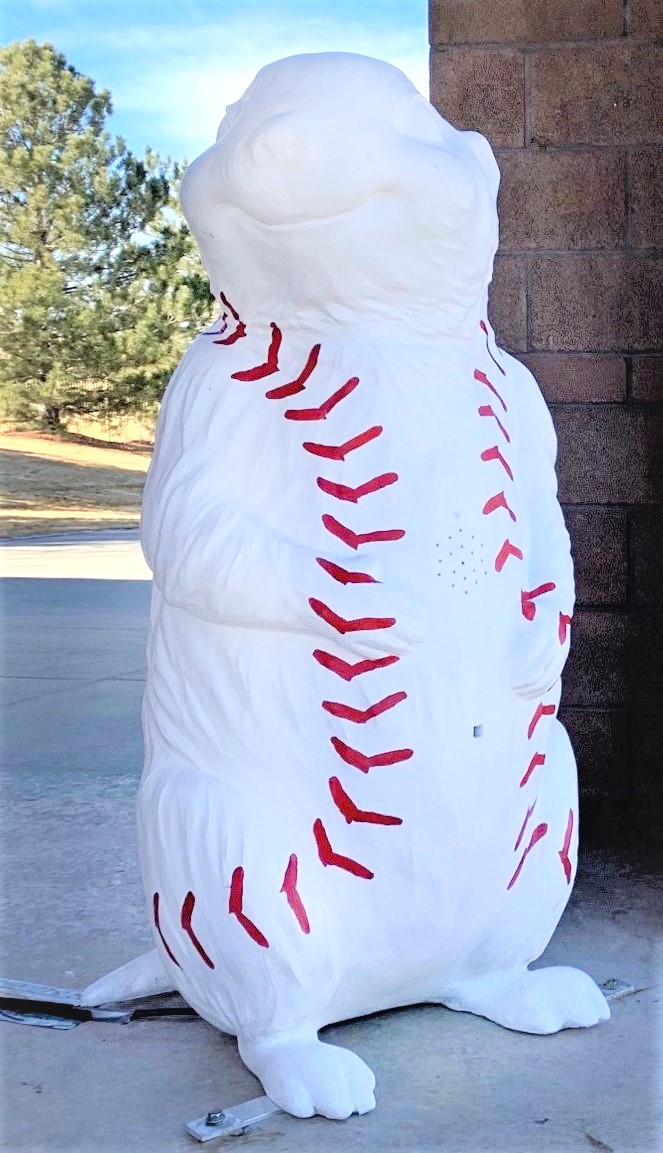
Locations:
column 50, row 1007
column 233, row 1121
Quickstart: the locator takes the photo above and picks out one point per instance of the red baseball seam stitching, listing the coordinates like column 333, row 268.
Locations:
column 352, row 812
column 365, row 763
column 537, row 760
column 355, row 539
column 343, row 575
column 540, row 711
column 271, row 365
column 564, row 851
column 157, row 925
column 289, row 887
column 498, row 501
column 187, row 913
column 507, row 550
column 323, row 410
column 483, row 379
column 361, row 716
column 329, row 857
column 354, row 495
column 484, row 329
column 488, row 410
column 539, row 832
column 564, row 624
column 343, row 625
column 236, row 906
column 340, row 451
column 527, row 598
column 349, row 671
column 521, row 834
column 299, row 383
column 494, row 453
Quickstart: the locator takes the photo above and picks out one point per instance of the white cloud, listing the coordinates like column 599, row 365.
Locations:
column 179, row 80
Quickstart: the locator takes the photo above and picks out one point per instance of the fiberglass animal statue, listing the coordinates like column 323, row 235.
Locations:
column 356, row 792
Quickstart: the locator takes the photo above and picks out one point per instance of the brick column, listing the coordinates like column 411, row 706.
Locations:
column 569, row 94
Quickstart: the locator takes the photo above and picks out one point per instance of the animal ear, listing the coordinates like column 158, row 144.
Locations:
column 279, row 145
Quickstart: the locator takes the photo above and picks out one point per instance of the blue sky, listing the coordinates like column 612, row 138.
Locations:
column 173, row 65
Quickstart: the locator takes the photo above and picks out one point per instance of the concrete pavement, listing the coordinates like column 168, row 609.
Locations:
column 74, row 626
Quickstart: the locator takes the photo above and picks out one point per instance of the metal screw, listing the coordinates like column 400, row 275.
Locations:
column 215, row 1117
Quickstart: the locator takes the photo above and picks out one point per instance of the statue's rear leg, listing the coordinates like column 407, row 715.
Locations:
column 548, row 999
column 237, row 899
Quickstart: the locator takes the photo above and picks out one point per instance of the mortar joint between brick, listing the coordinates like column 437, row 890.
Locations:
column 628, row 183
column 542, row 47
column 526, row 99
column 629, row 563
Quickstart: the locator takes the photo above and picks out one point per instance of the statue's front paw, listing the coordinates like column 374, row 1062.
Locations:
column 534, row 1000
column 306, row 1076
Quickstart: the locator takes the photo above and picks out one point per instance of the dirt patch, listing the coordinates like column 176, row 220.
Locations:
column 50, row 484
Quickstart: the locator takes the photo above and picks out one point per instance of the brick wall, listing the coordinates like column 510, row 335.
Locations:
column 569, row 94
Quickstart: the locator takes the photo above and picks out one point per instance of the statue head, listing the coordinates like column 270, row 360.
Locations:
column 335, row 187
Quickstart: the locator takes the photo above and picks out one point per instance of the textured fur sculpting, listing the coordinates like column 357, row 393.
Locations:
column 356, row 794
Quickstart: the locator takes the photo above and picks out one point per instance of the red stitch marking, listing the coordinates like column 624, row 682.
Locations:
column 296, row 385
column 323, row 410
column 347, row 671
column 483, row 379
column 495, row 454
column 360, row 716
column 539, row 832
column 155, row 910
column 488, row 410
column 241, row 329
column 527, row 599
column 342, row 625
column 564, row 851
column 187, row 913
column 537, row 760
column 354, row 539
column 235, row 905
column 343, row 575
column 541, row 711
column 521, row 834
column 564, row 622
column 339, row 452
column 485, row 332
column 505, row 552
column 498, row 501
column 271, row 365
column 351, row 812
column 364, row 763
column 329, row 857
column 344, row 492
column 289, row 887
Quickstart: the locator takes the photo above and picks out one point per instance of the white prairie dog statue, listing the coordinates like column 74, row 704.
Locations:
column 356, row 793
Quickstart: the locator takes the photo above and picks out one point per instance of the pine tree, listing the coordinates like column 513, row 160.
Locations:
column 97, row 276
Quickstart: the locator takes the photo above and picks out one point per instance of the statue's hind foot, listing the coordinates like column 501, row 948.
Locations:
column 533, row 1001
column 305, row 1076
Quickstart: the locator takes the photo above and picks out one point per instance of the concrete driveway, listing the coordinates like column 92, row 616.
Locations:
column 74, row 626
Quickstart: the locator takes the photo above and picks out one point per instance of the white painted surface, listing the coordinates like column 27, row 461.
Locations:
column 291, row 886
